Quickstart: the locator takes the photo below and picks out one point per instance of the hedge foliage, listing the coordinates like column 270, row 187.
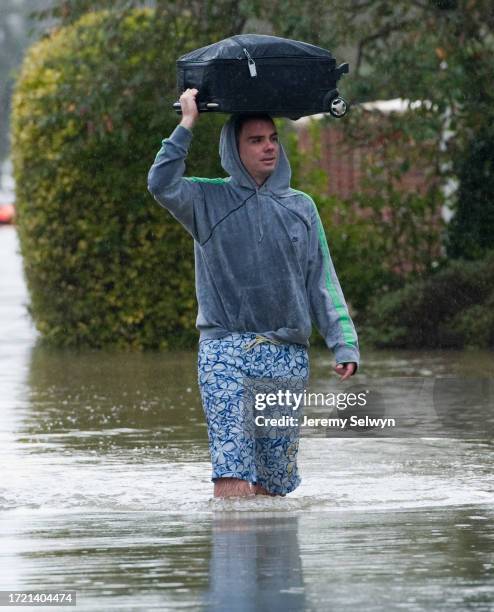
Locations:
column 104, row 263
column 452, row 308
column 471, row 231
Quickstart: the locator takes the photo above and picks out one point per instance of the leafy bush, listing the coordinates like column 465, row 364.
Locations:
column 470, row 232
column 451, row 308
column 104, row 263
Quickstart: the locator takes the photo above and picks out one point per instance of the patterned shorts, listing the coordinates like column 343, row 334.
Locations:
column 228, row 369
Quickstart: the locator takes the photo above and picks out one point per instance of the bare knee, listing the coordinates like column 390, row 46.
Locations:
column 232, row 487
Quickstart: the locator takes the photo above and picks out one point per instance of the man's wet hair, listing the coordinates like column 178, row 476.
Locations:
column 241, row 119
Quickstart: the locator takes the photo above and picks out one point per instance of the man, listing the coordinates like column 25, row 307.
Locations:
column 263, row 271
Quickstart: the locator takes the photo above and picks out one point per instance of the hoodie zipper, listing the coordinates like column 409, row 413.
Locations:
column 260, row 230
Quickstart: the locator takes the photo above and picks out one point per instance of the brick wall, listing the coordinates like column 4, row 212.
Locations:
column 343, row 164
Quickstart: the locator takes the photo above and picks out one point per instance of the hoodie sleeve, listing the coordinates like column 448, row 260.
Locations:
column 182, row 197
column 327, row 303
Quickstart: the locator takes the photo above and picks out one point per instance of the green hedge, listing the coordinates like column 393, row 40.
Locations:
column 452, row 308
column 470, row 232
column 105, row 265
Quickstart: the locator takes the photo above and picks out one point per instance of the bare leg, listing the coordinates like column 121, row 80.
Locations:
column 233, row 487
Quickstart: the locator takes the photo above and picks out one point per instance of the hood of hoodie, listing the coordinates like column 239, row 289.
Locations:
column 278, row 183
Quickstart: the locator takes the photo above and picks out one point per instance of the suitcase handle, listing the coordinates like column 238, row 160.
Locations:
column 342, row 69
column 202, row 107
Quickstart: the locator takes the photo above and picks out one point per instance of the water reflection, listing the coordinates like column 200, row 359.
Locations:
column 125, row 400
column 433, row 559
column 437, row 559
column 120, row 561
column 255, row 565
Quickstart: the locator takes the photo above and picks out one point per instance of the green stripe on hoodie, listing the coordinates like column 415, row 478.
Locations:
column 344, row 317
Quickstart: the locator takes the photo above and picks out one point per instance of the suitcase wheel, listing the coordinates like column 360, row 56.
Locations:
column 338, row 107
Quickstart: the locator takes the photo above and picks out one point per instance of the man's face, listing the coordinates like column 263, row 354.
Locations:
column 258, row 148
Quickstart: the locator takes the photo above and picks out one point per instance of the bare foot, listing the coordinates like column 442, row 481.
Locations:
column 233, row 487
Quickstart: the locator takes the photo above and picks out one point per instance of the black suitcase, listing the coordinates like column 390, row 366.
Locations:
column 257, row 73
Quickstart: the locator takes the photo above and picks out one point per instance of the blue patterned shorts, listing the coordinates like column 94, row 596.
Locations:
column 227, row 368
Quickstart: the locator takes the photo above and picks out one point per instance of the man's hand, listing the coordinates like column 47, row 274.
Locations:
column 190, row 114
column 345, row 370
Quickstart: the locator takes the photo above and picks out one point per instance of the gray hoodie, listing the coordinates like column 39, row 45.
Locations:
column 262, row 263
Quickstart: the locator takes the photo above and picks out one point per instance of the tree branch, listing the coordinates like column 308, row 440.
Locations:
column 382, row 33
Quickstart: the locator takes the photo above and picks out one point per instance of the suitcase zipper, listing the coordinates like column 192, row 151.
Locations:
column 251, row 63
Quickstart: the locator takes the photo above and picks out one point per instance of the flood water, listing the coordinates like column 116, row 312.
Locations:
column 105, row 489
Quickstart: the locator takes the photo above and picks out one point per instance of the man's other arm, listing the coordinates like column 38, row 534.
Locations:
column 328, row 307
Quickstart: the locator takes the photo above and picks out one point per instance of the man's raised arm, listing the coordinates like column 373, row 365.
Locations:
column 183, row 198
